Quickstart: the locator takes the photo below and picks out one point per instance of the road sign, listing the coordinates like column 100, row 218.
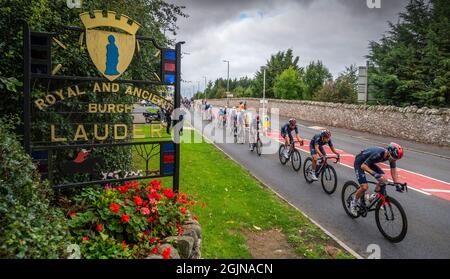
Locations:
column 230, row 96
column 362, row 84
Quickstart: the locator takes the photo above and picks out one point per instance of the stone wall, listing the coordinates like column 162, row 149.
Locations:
column 411, row 123
column 184, row 246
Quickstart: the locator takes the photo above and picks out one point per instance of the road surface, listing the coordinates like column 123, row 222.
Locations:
column 428, row 212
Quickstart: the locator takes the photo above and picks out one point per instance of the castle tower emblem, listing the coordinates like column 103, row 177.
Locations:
column 111, row 52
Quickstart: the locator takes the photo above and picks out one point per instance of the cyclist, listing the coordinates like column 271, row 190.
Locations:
column 286, row 133
column 255, row 125
column 221, row 114
column 316, row 149
column 366, row 162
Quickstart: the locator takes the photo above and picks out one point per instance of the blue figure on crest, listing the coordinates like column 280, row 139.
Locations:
column 112, row 57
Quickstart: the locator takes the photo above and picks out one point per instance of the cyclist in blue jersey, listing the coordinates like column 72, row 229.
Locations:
column 366, row 161
column 316, row 149
column 286, row 133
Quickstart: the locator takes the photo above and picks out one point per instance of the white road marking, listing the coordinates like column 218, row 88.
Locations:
column 437, row 190
column 316, row 128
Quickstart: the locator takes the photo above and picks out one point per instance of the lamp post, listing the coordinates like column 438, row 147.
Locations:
column 204, row 91
column 264, row 93
column 228, row 81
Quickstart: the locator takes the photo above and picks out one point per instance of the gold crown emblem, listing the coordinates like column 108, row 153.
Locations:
column 109, row 20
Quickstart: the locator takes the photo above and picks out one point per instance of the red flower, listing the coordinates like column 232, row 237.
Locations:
column 125, row 218
column 145, row 211
column 72, row 214
column 203, row 204
column 85, row 238
column 124, row 244
column 99, row 228
column 134, row 184
column 180, row 229
column 150, row 219
column 123, row 189
column 195, row 218
column 152, row 240
column 166, row 253
column 168, row 193
column 156, row 184
column 114, row 207
column 137, row 201
column 154, row 250
column 183, row 210
column 192, row 202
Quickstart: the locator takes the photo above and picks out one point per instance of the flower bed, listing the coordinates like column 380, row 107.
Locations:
column 135, row 221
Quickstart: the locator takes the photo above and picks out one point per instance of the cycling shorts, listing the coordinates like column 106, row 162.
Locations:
column 360, row 173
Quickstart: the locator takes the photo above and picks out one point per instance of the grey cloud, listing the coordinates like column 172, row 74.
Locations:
column 334, row 31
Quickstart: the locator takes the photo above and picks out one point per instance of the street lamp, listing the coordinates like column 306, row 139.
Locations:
column 228, row 81
column 204, row 91
column 264, row 92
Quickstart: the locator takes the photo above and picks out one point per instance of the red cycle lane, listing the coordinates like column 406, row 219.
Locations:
column 419, row 182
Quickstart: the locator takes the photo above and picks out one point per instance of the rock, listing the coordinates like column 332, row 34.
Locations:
column 331, row 251
column 196, row 252
column 184, row 245
column 194, row 228
column 154, row 257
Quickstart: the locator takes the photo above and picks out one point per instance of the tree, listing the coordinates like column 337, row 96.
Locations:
column 342, row 90
column 288, row 85
column 315, row 76
column 411, row 63
column 275, row 66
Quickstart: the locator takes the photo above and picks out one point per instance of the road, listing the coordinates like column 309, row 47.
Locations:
column 428, row 212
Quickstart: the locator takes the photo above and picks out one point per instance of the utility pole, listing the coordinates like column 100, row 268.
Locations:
column 228, row 81
column 204, row 91
column 264, row 94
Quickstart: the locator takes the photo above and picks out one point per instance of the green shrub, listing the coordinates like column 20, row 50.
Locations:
column 29, row 226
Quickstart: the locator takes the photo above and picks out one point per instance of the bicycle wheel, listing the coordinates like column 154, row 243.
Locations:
column 391, row 220
column 348, row 191
column 307, row 169
column 296, row 160
column 259, row 147
column 329, row 179
column 283, row 159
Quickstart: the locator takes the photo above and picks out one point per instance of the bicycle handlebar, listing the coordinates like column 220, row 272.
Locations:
column 337, row 158
column 399, row 187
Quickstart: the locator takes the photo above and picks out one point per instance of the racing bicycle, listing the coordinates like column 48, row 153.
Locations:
column 294, row 156
column 257, row 144
column 390, row 216
column 327, row 173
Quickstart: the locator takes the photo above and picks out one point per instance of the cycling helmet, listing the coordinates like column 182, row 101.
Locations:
column 292, row 122
column 325, row 133
column 395, row 150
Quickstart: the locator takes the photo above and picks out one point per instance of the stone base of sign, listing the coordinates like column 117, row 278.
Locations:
column 184, row 246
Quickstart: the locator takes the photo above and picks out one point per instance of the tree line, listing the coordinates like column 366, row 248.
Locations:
column 410, row 65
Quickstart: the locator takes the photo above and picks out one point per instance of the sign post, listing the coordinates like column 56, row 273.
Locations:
column 84, row 116
column 363, row 84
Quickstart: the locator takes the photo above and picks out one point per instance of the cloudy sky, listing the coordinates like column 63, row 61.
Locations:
column 247, row 32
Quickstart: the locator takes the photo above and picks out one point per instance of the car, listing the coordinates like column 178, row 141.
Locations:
column 152, row 114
